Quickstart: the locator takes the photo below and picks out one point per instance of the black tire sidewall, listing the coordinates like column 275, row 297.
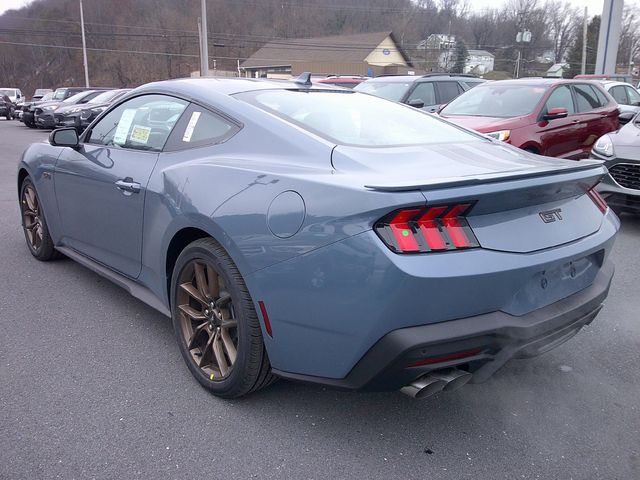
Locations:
column 46, row 250
column 229, row 386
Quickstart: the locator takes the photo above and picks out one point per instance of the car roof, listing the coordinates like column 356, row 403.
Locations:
column 543, row 82
column 227, row 85
column 614, row 83
column 423, row 78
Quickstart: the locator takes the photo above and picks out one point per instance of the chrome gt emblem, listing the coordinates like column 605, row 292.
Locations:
column 550, row 216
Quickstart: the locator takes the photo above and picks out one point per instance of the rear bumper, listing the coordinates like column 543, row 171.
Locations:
column 491, row 340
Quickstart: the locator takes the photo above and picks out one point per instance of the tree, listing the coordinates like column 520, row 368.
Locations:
column 460, row 56
column 563, row 20
column 575, row 53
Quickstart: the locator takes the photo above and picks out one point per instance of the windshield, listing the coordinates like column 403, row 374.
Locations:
column 495, row 100
column 76, row 98
column 9, row 92
column 393, row 91
column 47, row 96
column 105, row 97
column 350, row 118
column 60, row 94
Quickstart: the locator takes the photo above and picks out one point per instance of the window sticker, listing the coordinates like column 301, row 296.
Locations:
column 191, row 126
column 120, row 137
column 140, row 134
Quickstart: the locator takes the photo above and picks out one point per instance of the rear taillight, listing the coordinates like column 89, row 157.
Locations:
column 598, row 200
column 427, row 229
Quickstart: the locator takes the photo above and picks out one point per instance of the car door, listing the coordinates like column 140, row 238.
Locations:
column 557, row 136
column 634, row 98
column 591, row 115
column 100, row 186
column 424, row 91
column 447, row 91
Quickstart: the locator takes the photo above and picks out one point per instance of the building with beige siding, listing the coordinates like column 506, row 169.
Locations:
column 367, row 54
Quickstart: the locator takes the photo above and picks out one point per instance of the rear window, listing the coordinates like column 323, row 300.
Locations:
column 350, row 118
column 393, row 91
column 495, row 100
column 586, row 98
column 448, row 91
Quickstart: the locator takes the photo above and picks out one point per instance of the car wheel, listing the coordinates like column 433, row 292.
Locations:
column 30, row 124
column 215, row 322
column 34, row 224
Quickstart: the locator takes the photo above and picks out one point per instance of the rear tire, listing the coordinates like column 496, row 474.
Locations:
column 34, row 224
column 216, row 324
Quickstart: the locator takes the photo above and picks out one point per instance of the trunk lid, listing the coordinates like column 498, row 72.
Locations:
column 522, row 202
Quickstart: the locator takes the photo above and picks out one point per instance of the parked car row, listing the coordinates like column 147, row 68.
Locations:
column 573, row 119
column 67, row 107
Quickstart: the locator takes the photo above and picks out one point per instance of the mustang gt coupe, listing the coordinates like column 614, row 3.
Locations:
column 323, row 235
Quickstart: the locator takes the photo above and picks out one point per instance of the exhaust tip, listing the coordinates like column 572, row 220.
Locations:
column 424, row 387
column 453, row 378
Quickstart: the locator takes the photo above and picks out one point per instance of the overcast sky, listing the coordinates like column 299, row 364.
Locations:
column 595, row 6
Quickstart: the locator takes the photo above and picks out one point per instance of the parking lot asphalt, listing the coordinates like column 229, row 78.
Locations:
column 92, row 386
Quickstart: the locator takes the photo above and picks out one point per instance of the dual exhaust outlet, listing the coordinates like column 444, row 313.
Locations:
column 446, row 380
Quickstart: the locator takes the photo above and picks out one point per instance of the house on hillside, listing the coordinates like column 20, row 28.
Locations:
column 479, row 62
column 359, row 54
column 437, row 41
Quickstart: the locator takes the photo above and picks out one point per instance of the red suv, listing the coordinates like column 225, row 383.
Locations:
column 554, row 117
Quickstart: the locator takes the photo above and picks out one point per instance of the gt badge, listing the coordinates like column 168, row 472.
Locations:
column 550, row 216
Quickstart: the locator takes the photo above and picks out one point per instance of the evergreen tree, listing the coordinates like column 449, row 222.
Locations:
column 575, row 53
column 460, row 56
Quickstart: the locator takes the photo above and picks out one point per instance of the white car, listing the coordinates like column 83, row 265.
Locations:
column 14, row 94
column 625, row 94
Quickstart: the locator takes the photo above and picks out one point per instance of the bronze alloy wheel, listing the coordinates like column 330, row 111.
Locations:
column 208, row 323
column 31, row 218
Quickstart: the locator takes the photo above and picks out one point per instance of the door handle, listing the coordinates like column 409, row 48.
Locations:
column 128, row 185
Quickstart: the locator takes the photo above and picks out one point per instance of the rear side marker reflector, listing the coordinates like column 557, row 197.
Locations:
column 427, row 229
column 598, row 200
column 265, row 317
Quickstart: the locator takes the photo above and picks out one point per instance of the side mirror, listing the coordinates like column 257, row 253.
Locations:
column 626, row 117
column 64, row 137
column 416, row 103
column 555, row 113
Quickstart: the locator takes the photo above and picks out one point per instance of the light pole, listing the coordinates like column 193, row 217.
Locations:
column 204, row 45
column 84, row 48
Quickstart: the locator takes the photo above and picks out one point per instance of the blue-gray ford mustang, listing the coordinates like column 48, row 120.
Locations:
column 323, row 235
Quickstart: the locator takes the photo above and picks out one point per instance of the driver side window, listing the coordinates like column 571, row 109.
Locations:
column 142, row 123
column 560, row 98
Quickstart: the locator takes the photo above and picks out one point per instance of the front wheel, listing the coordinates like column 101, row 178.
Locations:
column 215, row 322
column 34, row 224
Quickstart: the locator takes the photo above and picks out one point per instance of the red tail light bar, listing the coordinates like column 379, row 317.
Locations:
column 598, row 200
column 427, row 229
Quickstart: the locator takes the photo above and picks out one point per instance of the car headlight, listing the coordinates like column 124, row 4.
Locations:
column 502, row 135
column 48, row 108
column 75, row 110
column 604, row 146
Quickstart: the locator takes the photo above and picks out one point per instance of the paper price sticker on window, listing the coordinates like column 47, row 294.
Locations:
column 120, row 137
column 140, row 134
column 193, row 121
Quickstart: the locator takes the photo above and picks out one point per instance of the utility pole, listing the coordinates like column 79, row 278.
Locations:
column 84, row 48
column 585, row 25
column 522, row 37
column 204, row 45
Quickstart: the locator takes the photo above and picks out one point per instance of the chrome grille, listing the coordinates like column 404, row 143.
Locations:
column 627, row 175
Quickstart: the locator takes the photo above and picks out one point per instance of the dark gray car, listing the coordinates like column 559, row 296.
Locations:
column 427, row 92
column 320, row 234
column 620, row 152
